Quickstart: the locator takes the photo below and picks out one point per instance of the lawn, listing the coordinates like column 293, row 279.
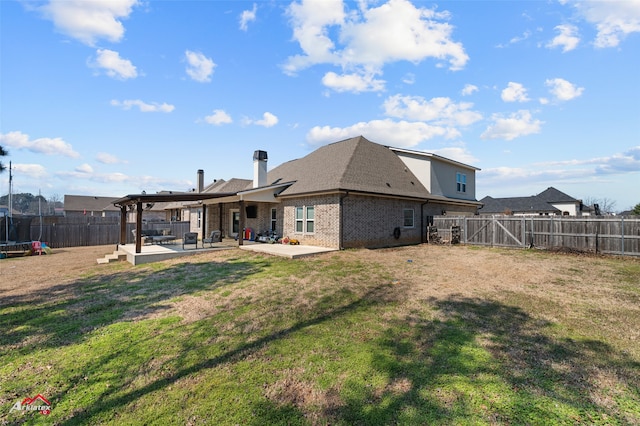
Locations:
column 414, row 335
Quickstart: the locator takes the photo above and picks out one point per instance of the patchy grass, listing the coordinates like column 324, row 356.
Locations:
column 417, row 335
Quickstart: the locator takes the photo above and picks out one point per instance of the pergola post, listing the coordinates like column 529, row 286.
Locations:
column 139, row 227
column 123, row 225
column 241, row 224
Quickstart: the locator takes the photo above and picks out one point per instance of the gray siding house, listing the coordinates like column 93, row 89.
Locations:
column 352, row 193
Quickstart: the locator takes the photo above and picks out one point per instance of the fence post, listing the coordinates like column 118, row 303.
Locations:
column 493, row 231
column 465, row 229
column 622, row 235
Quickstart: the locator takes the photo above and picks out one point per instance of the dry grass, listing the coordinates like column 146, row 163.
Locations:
column 408, row 335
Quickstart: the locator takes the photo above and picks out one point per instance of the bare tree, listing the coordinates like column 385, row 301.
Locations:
column 606, row 205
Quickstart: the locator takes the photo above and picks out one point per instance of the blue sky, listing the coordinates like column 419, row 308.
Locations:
column 115, row 97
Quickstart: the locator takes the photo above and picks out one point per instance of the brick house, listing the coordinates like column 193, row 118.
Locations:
column 352, row 193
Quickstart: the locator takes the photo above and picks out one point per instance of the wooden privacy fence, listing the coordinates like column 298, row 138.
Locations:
column 607, row 235
column 59, row 232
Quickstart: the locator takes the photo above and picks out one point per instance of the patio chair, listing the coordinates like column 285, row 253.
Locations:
column 190, row 238
column 215, row 237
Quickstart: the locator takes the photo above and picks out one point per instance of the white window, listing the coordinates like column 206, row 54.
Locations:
column 310, row 220
column 461, row 182
column 408, row 218
column 305, row 219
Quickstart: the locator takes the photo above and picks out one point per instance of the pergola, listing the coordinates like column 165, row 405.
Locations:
column 139, row 200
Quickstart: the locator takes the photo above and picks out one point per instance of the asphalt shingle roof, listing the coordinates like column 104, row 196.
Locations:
column 516, row 205
column 89, row 203
column 355, row 164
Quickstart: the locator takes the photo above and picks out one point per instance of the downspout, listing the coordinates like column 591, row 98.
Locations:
column 422, row 227
column 341, row 224
column 220, row 218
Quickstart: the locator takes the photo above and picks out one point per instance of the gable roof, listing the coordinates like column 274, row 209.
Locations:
column 355, row 164
column 232, row 185
column 552, row 195
column 541, row 203
column 89, row 203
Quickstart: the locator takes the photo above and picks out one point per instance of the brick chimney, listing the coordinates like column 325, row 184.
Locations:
column 259, row 168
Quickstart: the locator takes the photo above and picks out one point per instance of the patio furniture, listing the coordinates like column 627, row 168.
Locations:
column 190, row 238
column 215, row 237
column 155, row 236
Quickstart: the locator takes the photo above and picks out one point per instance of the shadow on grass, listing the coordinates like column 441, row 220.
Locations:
column 488, row 362
column 63, row 314
column 265, row 413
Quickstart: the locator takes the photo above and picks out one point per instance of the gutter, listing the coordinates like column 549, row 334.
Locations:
column 341, row 224
column 422, row 227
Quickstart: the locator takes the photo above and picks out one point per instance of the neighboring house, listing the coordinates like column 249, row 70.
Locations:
column 87, row 205
column 549, row 202
column 353, row 193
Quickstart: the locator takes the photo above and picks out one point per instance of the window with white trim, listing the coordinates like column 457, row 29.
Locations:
column 408, row 218
column 461, row 182
column 305, row 219
column 310, row 220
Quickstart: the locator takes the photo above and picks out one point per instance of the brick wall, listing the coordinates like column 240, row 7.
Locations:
column 371, row 221
column 326, row 224
column 367, row 221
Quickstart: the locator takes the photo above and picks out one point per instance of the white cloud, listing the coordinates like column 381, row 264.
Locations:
column 402, row 134
column 514, row 92
column 218, row 118
column 88, row 21
column 143, row 106
column 628, row 161
column 114, row 65
column 575, row 171
column 369, row 38
column 268, row 120
column 563, row 90
column 614, row 20
column 567, row 38
column 105, row 158
column 33, row 171
column 468, row 89
column 84, row 168
column 248, row 16
column 441, row 111
column 48, row 146
column 199, row 68
column 518, row 124
column 355, row 83
column 460, row 154
column 409, row 78
column 311, row 21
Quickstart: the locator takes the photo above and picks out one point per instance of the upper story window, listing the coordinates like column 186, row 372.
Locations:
column 461, row 182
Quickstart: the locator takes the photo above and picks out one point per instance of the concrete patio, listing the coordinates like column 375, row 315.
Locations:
column 158, row 252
